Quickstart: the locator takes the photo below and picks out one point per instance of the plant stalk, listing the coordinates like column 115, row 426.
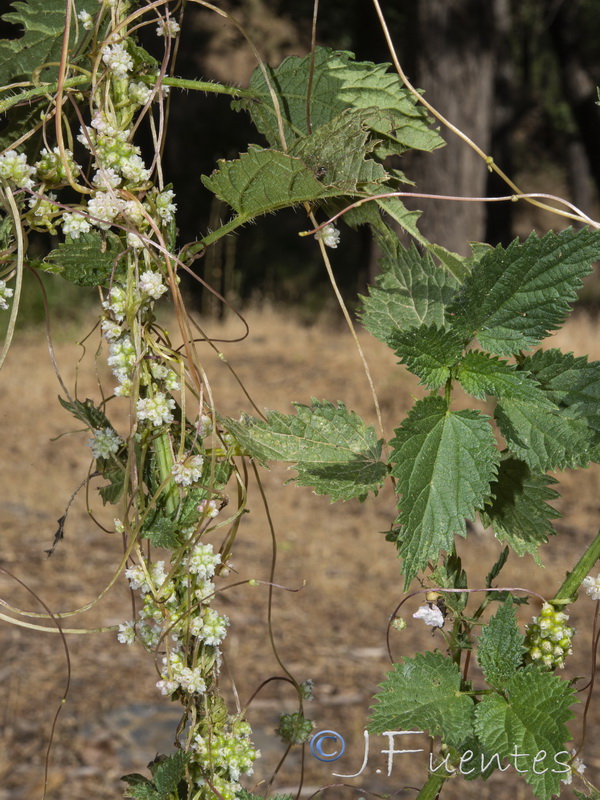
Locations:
column 568, row 591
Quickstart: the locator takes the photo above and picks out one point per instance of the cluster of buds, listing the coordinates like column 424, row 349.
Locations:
column 548, row 638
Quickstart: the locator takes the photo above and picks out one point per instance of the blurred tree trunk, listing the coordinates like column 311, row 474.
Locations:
column 455, row 66
column 579, row 89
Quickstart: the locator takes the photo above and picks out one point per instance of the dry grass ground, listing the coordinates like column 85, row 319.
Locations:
column 332, row 631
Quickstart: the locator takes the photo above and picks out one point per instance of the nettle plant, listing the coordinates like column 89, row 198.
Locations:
column 77, row 87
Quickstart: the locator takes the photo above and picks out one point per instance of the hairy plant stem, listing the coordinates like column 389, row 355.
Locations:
column 568, row 591
column 432, row 786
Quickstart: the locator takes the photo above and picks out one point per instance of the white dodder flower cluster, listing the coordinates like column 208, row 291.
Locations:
column 592, row 587
column 105, row 443
column 431, row 615
column 329, row 235
column 5, row 295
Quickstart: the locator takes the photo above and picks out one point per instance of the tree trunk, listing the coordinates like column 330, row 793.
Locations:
column 455, row 67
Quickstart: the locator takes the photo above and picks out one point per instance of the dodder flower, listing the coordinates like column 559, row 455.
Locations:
column 431, row 615
column 592, row 587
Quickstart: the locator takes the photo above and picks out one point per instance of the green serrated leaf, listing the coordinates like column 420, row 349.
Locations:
column 139, row 787
column 43, row 23
column 87, row 413
column 457, row 265
column 451, row 575
column 444, row 462
column 261, row 181
column 411, row 291
column 513, row 298
column 91, row 260
column 370, row 213
column 481, row 374
column 500, row 650
column 424, row 692
column 337, row 152
column 427, row 352
column 572, row 383
column 519, row 512
column 543, row 438
column 169, row 772
column 498, row 564
column 338, row 83
column 528, row 718
column 244, row 794
column 115, row 475
column 332, row 448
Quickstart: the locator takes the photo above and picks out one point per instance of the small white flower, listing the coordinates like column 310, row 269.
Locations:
column 117, row 59
column 126, row 634
column 106, row 178
column 430, row 616
column 577, row 766
column 86, row 20
column 5, row 295
column 151, row 284
column 110, row 330
column 104, row 207
column 204, row 426
column 164, row 205
column 209, row 508
column 74, row 225
column 105, row 443
column 43, row 207
column 203, row 561
column 135, row 240
column 188, row 471
column 214, row 627
column 134, row 169
column 14, row 168
column 167, row 28
column 592, row 587
column 139, row 93
column 329, row 235
column 157, row 409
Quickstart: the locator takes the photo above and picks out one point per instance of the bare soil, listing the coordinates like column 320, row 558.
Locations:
column 332, row 630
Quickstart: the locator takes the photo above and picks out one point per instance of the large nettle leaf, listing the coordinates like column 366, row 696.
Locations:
column 482, row 374
column 572, row 383
column 265, row 180
column 428, row 352
column 526, row 725
column 338, row 82
column 93, row 259
column 424, row 692
column 500, row 649
column 410, row 291
column 444, row 462
column 333, row 162
column 43, row 23
column 519, row 512
column 513, row 298
column 336, row 153
column 332, row 449
column 544, row 438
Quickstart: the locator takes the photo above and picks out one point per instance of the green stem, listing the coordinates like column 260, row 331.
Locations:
column 568, row 591
column 150, row 80
column 164, row 460
column 432, row 787
column 199, row 86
